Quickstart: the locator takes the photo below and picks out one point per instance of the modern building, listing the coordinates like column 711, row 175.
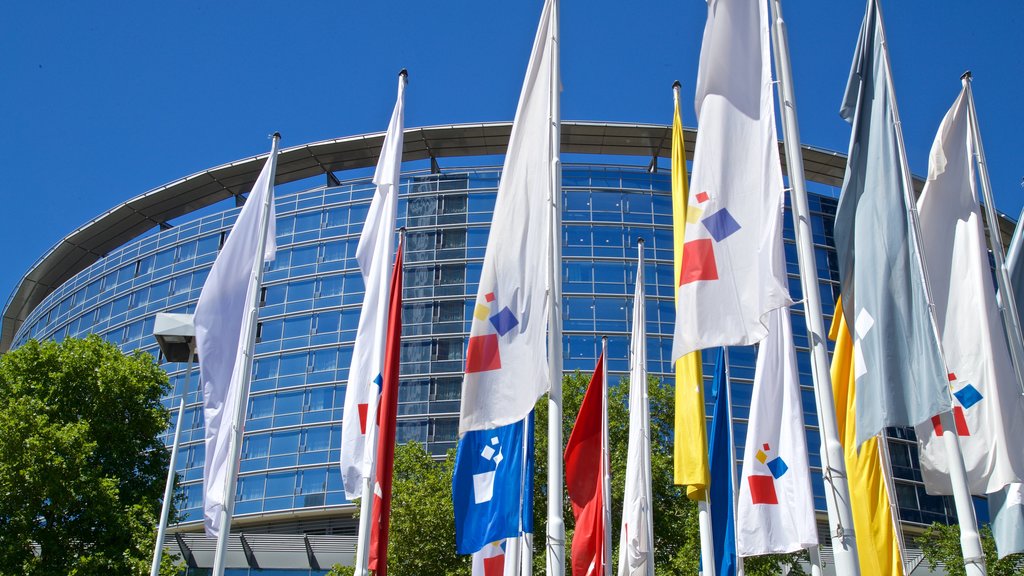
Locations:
column 153, row 252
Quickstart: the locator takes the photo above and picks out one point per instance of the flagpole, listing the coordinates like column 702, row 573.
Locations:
column 707, row 546
column 606, row 482
column 732, row 451
column 235, row 444
column 165, row 508
column 362, row 559
column 833, row 470
column 1007, row 299
column 556, row 522
column 970, row 540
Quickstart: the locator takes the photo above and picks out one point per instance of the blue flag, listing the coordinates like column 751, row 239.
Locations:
column 722, row 467
column 492, row 483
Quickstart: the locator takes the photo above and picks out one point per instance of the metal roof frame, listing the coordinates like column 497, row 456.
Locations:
column 119, row 225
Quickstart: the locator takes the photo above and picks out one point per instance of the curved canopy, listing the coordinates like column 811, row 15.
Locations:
column 121, row 224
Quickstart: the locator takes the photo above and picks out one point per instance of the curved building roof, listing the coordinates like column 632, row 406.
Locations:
column 120, row 224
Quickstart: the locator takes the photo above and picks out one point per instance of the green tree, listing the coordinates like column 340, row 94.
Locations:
column 422, row 533
column 82, row 468
column 422, row 537
column 676, row 539
column 941, row 543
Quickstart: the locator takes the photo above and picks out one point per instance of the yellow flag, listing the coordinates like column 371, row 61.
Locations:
column 691, row 437
column 877, row 547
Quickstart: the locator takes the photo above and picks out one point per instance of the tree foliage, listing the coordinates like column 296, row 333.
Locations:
column 676, row 539
column 422, row 518
column 941, row 543
column 82, row 468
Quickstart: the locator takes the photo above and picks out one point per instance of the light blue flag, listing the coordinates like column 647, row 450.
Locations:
column 492, row 486
column 1006, row 507
column 901, row 379
column 723, row 524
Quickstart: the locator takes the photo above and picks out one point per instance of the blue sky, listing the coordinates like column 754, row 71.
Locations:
column 104, row 101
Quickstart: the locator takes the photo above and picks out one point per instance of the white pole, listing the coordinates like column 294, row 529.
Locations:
column 707, row 542
column 556, row 523
column 732, row 452
column 235, row 446
column 833, row 470
column 362, row 559
column 814, row 553
column 970, row 540
column 165, row 509
column 606, row 476
column 1007, row 299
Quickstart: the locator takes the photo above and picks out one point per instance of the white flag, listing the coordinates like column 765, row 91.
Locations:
column 224, row 329
column 491, row 560
column 374, row 254
column 987, row 408
column 728, row 280
column 636, row 541
column 506, row 370
column 775, row 512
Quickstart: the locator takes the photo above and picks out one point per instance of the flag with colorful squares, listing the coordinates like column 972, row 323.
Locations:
column 491, row 559
column 733, row 243
column 506, row 366
column 775, row 510
column 987, row 406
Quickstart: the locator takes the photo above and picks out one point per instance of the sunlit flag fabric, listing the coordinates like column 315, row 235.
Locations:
column 505, row 368
column 585, row 471
column 387, row 423
column 720, row 493
column 901, row 380
column 1006, row 507
column 878, row 548
column 492, row 486
column 775, row 512
column 728, row 281
column 374, row 251
column 223, row 324
column 636, row 541
column 491, row 559
column 988, row 408
column 690, row 447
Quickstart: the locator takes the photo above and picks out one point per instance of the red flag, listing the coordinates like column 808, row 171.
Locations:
column 584, row 477
column 386, row 424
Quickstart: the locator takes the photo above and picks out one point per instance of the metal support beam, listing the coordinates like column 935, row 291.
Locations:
column 435, row 168
column 332, row 180
column 186, row 552
column 250, row 556
column 313, row 564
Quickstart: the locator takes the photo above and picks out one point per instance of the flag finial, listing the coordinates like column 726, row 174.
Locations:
column 404, row 72
column 640, row 241
column 966, row 75
column 275, row 136
column 676, row 84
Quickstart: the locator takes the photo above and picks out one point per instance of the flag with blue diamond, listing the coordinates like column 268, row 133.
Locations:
column 988, row 410
column 729, row 277
column 506, row 355
column 775, row 510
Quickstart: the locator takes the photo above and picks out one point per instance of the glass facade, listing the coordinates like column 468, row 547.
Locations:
column 309, row 307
